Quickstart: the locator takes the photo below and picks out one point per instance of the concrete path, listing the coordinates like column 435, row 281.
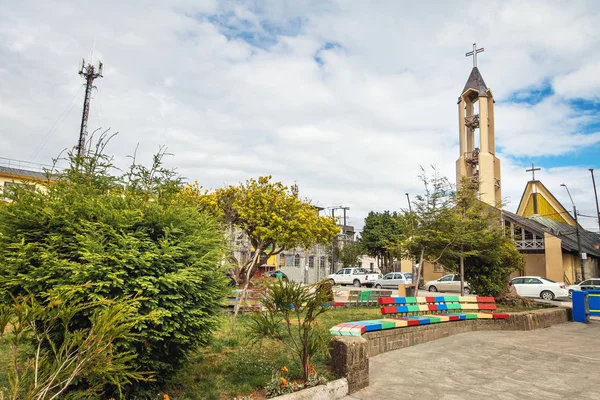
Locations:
column 561, row 362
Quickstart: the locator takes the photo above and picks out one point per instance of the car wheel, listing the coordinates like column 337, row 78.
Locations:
column 432, row 289
column 378, row 287
column 356, row 283
column 466, row 291
column 547, row 295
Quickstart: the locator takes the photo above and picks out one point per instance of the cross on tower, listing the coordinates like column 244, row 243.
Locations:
column 532, row 170
column 474, row 54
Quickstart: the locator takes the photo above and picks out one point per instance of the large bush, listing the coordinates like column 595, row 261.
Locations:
column 119, row 236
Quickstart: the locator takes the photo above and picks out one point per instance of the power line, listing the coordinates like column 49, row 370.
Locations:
column 56, row 124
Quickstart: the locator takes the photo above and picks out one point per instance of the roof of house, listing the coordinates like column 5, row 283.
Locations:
column 22, row 173
column 590, row 241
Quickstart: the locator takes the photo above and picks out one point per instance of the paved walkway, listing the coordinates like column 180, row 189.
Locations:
column 556, row 363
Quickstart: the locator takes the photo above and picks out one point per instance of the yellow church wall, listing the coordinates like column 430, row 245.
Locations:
column 405, row 265
column 535, row 264
column 554, row 258
column 570, row 264
column 431, row 273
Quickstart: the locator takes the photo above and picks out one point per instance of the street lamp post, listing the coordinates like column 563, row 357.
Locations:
column 596, row 196
column 577, row 231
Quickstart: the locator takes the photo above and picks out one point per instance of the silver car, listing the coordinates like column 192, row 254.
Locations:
column 447, row 283
column 392, row 280
column 588, row 284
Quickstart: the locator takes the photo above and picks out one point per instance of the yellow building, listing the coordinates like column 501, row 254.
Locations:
column 14, row 172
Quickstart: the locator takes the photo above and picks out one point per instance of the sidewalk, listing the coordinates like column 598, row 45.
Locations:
column 559, row 362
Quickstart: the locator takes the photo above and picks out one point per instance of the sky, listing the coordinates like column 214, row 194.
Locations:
column 348, row 99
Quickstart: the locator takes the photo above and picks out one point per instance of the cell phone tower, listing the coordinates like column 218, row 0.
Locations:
column 89, row 72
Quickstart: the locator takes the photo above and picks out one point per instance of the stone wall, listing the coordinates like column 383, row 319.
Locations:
column 350, row 359
column 350, row 355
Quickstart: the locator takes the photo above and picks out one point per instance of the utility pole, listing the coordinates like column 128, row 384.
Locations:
column 332, row 270
column 577, row 232
column 596, row 195
column 333, row 243
column 89, row 72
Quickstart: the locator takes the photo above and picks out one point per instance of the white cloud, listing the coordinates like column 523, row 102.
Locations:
column 583, row 82
column 352, row 130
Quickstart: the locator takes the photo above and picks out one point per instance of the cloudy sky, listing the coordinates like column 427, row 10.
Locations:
column 346, row 98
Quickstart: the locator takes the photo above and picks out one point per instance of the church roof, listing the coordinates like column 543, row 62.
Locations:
column 590, row 241
column 476, row 83
column 547, row 204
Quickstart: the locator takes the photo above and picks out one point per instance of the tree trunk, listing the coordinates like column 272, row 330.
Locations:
column 245, row 289
column 304, row 365
column 462, row 274
column 419, row 269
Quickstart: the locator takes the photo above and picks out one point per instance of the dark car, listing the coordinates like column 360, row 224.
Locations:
column 273, row 274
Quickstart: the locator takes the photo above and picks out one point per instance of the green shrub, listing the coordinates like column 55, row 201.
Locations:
column 40, row 368
column 129, row 236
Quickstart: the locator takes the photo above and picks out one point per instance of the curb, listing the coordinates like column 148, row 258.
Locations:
column 332, row 390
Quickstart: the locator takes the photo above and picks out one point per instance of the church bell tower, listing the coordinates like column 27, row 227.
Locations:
column 478, row 160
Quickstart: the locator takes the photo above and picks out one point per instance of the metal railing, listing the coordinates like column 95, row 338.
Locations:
column 24, row 165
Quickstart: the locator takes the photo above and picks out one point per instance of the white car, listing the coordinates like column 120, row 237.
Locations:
column 537, row 286
column 392, row 280
column 354, row 276
column 447, row 283
column 588, row 284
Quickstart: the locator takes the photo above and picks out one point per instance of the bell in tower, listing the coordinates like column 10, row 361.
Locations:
column 476, row 113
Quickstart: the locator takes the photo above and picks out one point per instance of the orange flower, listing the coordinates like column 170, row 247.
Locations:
column 295, row 384
column 284, row 370
column 283, row 383
column 311, row 370
column 166, row 397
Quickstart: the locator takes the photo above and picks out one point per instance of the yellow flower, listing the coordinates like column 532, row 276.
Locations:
column 283, row 383
column 284, row 370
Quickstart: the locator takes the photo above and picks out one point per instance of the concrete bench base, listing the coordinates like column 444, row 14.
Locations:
column 350, row 354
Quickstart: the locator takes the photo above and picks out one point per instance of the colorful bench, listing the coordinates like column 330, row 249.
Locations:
column 399, row 312
column 363, row 297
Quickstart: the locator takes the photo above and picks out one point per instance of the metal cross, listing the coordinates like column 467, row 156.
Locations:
column 532, row 170
column 474, row 54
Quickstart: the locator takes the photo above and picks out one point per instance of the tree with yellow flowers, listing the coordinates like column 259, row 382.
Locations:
column 269, row 216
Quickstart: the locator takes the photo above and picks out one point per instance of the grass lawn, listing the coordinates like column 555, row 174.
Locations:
column 230, row 365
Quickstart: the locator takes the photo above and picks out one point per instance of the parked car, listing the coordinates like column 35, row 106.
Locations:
column 392, row 280
column 354, row 276
column 537, row 286
column 447, row 283
column 273, row 274
column 588, row 284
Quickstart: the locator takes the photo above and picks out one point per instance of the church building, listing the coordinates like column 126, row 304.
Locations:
column 554, row 244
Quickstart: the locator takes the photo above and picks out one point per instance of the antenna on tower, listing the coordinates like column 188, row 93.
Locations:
column 89, row 72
